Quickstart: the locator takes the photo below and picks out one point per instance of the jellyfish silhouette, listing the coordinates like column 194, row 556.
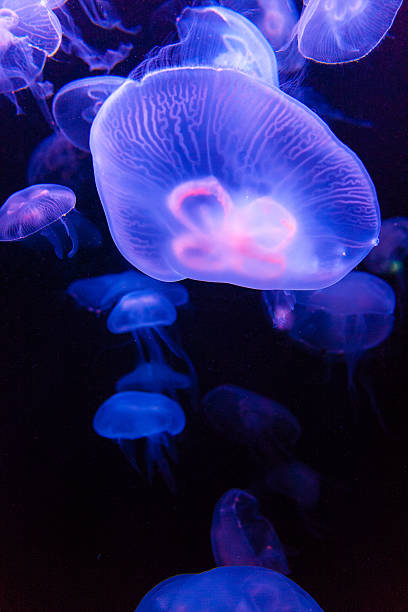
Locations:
column 134, row 414
column 43, row 209
column 240, row 535
column 342, row 31
column 76, row 104
column 213, row 175
column 388, row 257
column 228, row 589
column 266, row 427
column 297, row 481
column 217, row 37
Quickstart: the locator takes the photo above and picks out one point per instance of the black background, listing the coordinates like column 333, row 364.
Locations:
column 79, row 529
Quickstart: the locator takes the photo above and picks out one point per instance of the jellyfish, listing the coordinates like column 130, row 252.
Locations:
column 76, row 104
column 297, row 481
column 240, row 535
column 132, row 415
column 218, row 37
column 279, row 308
column 141, row 309
column 266, row 427
column 214, row 175
column 339, row 31
column 103, row 14
column 29, row 33
column 40, row 209
column 228, row 589
column 157, row 377
column 389, row 255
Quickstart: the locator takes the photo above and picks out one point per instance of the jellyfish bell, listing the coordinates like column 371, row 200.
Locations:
column 141, row 309
column 222, row 178
column 240, row 535
column 77, row 103
column 154, row 376
column 131, row 415
column 229, row 589
column 342, row 31
column 218, row 37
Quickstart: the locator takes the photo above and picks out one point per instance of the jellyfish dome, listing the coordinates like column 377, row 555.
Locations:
column 141, row 309
column 229, row 589
column 341, row 31
column 213, row 175
column 76, row 104
column 240, row 535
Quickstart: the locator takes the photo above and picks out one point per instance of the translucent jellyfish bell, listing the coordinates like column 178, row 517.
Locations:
column 240, row 535
column 141, row 309
column 218, row 37
column 213, row 175
column 76, row 105
column 37, row 209
column 134, row 414
column 338, row 31
column 229, row 589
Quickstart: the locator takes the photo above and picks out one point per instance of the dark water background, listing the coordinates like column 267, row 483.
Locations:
column 79, row 529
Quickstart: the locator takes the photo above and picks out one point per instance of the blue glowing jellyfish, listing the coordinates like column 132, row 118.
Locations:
column 213, row 175
column 217, row 37
column 388, row 257
column 228, row 589
column 135, row 414
column 40, row 208
column 76, row 104
column 240, row 535
column 341, row 31
column 140, row 309
column 265, row 426
column 156, row 376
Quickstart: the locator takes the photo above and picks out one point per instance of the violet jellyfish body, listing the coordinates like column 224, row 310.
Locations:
column 213, row 175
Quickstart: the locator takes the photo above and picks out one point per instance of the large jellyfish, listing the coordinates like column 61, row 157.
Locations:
column 252, row 420
column 214, row 175
column 228, row 589
column 218, row 37
column 240, row 535
column 135, row 414
column 76, row 104
column 43, row 209
column 338, row 31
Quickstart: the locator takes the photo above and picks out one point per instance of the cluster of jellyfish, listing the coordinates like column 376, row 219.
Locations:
column 208, row 169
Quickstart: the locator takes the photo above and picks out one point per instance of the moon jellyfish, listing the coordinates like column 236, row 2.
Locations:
column 388, row 257
column 338, row 31
column 76, row 104
column 257, row 422
column 157, row 377
column 217, row 37
column 140, row 309
column 240, row 535
column 228, row 589
column 214, row 175
column 134, row 414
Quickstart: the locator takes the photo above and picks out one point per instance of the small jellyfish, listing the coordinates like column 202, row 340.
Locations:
column 217, row 37
column 140, row 309
column 240, row 535
column 388, row 257
column 132, row 415
column 297, row 481
column 76, row 104
column 156, row 376
column 279, row 308
column 229, row 589
column 339, row 31
column 250, row 419
column 213, row 175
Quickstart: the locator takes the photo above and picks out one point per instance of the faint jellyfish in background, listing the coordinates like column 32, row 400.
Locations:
column 229, row 589
column 279, row 308
column 217, row 37
column 249, row 187
column 240, row 535
column 48, row 210
column 77, row 103
column 267, row 428
column 132, row 415
column 297, row 481
column 56, row 160
column 341, row 31
column 388, row 257
column 29, row 33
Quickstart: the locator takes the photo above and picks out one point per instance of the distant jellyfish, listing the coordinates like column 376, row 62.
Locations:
column 138, row 309
column 48, row 210
column 76, row 104
column 218, row 37
column 213, row 175
column 240, row 535
column 389, row 256
column 156, row 376
column 339, row 31
column 266, row 427
column 228, row 589
column 132, row 415
column 295, row 480
column 279, row 308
